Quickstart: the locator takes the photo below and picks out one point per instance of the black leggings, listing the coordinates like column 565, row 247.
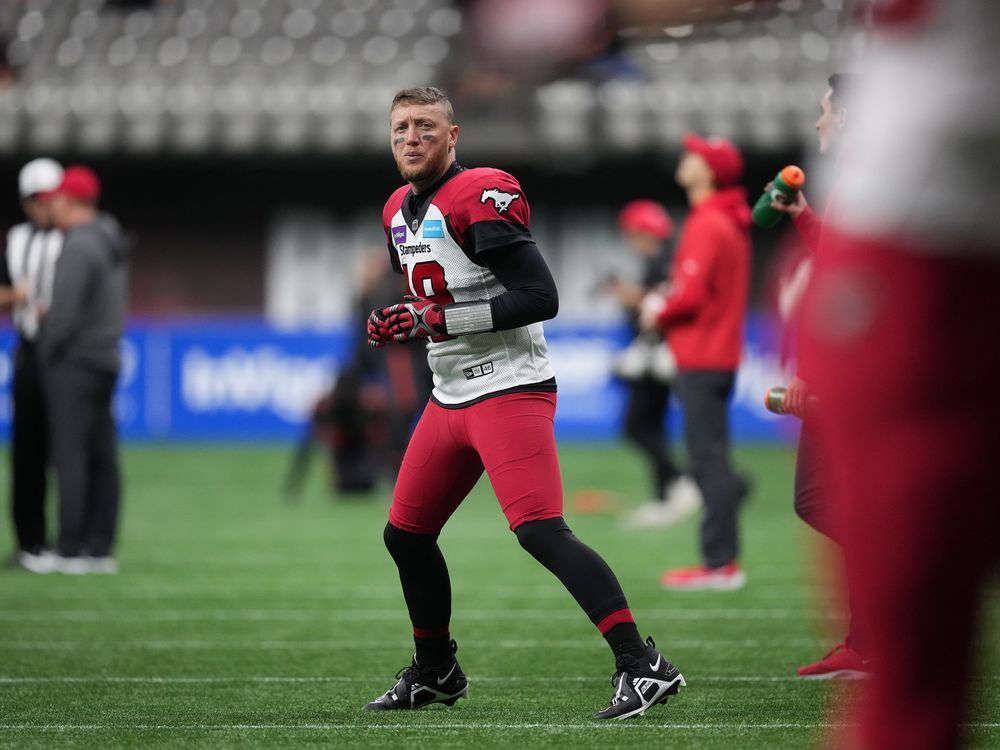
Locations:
column 424, row 577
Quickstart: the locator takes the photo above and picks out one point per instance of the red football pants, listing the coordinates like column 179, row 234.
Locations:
column 510, row 436
column 908, row 351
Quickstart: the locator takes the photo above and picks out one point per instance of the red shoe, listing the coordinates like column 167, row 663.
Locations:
column 701, row 578
column 841, row 663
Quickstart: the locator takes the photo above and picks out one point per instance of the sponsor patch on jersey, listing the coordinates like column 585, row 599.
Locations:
column 477, row 371
column 433, row 228
column 501, row 200
column 399, row 234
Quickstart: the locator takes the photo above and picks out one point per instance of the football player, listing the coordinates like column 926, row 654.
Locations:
column 477, row 291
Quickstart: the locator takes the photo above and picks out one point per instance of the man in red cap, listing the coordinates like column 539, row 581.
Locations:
column 702, row 315
column 79, row 347
column 647, row 367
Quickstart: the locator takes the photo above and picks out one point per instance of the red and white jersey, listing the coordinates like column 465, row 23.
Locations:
column 435, row 239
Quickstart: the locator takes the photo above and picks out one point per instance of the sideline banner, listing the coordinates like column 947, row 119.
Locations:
column 244, row 380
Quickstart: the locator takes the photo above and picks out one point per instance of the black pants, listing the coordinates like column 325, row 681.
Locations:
column 645, row 410
column 29, row 452
column 705, row 397
column 84, row 447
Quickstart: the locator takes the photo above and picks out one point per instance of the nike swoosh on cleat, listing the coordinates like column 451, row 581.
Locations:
column 443, row 680
column 659, row 658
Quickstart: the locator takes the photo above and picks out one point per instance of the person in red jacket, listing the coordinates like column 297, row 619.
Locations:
column 903, row 328
column 848, row 659
column 702, row 316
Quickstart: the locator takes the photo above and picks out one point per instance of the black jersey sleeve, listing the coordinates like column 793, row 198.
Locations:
column 485, row 236
column 530, row 294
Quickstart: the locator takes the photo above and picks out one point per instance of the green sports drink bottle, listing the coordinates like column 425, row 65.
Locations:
column 787, row 183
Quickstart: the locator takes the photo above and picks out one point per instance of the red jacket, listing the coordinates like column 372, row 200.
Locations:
column 709, row 283
column 814, row 233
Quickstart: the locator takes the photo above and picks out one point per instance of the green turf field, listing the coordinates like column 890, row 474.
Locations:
column 239, row 620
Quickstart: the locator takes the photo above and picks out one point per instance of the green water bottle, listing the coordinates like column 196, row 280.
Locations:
column 786, row 185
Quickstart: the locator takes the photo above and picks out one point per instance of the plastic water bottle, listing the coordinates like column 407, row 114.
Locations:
column 786, row 185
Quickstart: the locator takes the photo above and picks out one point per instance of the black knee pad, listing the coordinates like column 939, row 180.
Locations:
column 403, row 545
column 538, row 536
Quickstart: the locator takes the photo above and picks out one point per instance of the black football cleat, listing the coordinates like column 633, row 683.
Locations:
column 641, row 684
column 421, row 686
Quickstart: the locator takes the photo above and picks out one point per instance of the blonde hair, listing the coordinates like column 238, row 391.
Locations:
column 424, row 95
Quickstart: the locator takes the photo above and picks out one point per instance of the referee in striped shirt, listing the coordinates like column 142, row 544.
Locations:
column 26, row 277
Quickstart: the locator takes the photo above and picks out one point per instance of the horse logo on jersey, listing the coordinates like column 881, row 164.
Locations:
column 500, row 199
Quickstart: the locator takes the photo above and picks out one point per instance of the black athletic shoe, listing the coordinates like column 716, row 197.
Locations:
column 420, row 686
column 642, row 683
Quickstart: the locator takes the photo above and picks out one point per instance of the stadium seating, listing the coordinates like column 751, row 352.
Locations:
column 290, row 76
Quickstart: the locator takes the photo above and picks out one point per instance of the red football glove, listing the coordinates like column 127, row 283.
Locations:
column 414, row 318
column 378, row 331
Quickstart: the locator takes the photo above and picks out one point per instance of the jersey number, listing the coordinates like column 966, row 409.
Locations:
column 426, row 280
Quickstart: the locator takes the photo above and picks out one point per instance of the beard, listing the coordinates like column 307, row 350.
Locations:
column 426, row 170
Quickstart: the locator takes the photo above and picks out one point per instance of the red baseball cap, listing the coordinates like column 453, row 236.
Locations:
column 81, row 183
column 721, row 154
column 646, row 216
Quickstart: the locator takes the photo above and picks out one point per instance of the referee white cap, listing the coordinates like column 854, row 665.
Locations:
column 39, row 176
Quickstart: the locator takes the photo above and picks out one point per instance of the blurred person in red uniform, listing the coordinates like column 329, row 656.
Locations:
column 478, row 290
column 647, row 367
column 702, row 316
column 903, row 324
column 848, row 659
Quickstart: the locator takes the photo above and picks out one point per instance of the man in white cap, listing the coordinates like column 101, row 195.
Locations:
column 26, row 286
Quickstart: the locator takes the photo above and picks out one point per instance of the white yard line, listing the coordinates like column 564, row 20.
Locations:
column 366, row 615
column 321, row 597
column 333, row 679
column 354, row 645
column 415, row 726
